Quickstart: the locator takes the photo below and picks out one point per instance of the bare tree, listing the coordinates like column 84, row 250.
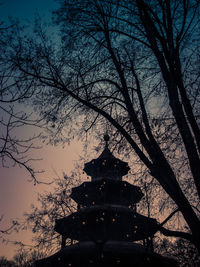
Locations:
column 184, row 252
column 40, row 219
column 13, row 149
column 6, row 263
column 25, row 258
column 14, row 120
column 114, row 62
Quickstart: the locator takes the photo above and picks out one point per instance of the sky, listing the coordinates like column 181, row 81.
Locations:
column 26, row 9
column 16, row 193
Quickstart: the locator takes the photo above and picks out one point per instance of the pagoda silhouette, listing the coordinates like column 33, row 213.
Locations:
column 106, row 227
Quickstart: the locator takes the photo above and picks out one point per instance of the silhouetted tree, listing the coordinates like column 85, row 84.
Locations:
column 184, row 251
column 51, row 206
column 14, row 149
column 27, row 258
column 6, row 263
column 4, row 231
column 40, row 219
column 132, row 64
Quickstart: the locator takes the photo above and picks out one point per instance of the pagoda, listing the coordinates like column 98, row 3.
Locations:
column 106, row 228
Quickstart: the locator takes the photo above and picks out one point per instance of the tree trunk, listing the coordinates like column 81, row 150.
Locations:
column 165, row 176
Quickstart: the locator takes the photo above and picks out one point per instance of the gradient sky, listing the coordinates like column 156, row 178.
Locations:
column 16, row 193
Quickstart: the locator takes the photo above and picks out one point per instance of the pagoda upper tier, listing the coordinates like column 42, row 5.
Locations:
column 106, row 191
column 106, row 166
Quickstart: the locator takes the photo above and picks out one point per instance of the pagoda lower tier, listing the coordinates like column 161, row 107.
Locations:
column 109, row 254
column 106, row 222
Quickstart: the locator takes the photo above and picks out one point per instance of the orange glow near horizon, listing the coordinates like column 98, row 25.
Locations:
column 17, row 194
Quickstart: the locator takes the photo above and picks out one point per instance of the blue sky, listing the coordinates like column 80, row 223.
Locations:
column 26, row 9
